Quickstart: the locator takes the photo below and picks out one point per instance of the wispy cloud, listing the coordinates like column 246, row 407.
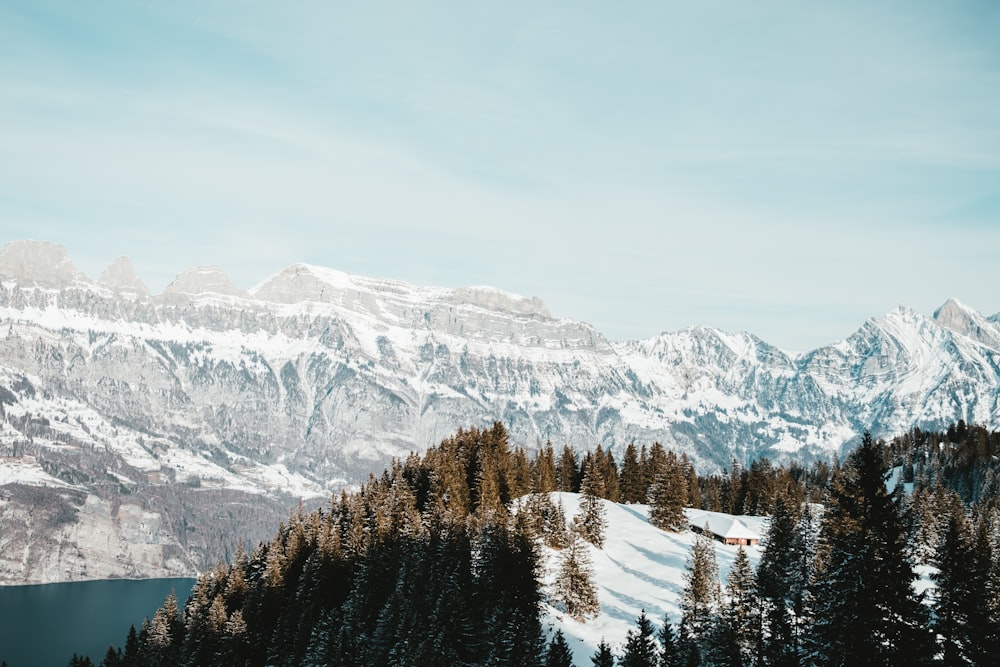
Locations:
column 647, row 169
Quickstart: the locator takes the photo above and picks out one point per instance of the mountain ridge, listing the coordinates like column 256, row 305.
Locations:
column 297, row 396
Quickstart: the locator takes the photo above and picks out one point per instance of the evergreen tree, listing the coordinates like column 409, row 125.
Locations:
column 961, row 600
column 640, row 648
column 866, row 610
column 591, row 521
column 543, row 470
column 779, row 586
column 233, row 648
column 655, row 464
column 609, row 472
column 603, row 657
column 694, row 487
column 984, row 617
column 760, row 487
column 740, row 618
column 556, row 533
column 162, row 641
column 558, row 653
column 130, row 656
column 574, row 584
column 712, row 494
column 112, row 658
column 519, row 477
column 668, row 495
column 632, row 485
column 954, row 560
column 700, row 598
column 669, row 655
column 567, row 470
column 509, row 563
column 733, row 488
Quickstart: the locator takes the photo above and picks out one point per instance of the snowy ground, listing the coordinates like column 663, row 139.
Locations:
column 640, row 567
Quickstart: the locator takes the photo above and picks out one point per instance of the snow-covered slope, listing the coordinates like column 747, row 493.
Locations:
column 314, row 378
column 639, row 568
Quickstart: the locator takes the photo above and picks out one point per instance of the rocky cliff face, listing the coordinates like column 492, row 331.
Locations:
column 207, row 400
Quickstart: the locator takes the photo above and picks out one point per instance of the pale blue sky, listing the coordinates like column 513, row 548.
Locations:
column 785, row 168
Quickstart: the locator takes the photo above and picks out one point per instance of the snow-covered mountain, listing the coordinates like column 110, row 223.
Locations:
column 314, row 378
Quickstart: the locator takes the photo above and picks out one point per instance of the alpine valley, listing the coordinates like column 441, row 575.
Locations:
column 146, row 435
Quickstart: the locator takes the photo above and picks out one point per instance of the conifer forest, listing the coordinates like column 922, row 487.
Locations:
column 436, row 562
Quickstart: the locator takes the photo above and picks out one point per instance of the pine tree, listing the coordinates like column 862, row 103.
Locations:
column 701, row 596
column 112, row 658
column 962, row 600
column 543, row 470
column 631, row 483
column 163, row 640
column 984, row 620
column 669, row 655
column 130, row 656
column 603, row 657
column 866, row 610
column 741, row 617
column 520, row 478
column 954, row 560
column 233, row 648
column 759, row 491
column 655, row 464
column 711, row 495
column 668, row 495
column 556, row 532
column 805, row 563
column 566, row 471
column 558, row 653
column 694, row 488
column 780, row 585
column 640, row 648
column 609, row 472
column 591, row 521
column 574, row 585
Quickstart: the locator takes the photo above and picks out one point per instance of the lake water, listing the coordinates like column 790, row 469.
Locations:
column 44, row 625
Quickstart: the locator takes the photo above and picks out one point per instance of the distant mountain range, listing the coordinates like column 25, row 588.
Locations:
column 314, row 378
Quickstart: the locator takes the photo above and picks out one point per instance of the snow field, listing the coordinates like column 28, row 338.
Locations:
column 639, row 567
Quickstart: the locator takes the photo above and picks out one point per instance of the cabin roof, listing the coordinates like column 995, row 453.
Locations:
column 724, row 525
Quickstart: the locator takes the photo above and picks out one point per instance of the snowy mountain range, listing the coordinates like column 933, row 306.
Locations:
column 205, row 398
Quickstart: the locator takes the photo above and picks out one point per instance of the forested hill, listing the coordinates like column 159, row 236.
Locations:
column 439, row 561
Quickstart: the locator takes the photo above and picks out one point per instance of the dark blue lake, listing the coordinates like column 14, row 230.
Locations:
column 44, row 625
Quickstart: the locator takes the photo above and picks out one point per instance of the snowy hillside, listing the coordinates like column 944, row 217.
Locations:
column 639, row 567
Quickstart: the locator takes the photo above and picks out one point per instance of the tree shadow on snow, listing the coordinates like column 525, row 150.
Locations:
column 652, row 610
column 662, row 584
column 671, row 560
column 634, row 512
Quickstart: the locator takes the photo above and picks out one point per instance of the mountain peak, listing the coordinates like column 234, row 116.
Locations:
column 39, row 262
column 492, row 298
column 203, row 280
column 302, row 282
column 953, row 312
column 120, row 275
column 956, row 316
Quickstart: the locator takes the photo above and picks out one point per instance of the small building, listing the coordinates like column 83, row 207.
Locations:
column 725, row 528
